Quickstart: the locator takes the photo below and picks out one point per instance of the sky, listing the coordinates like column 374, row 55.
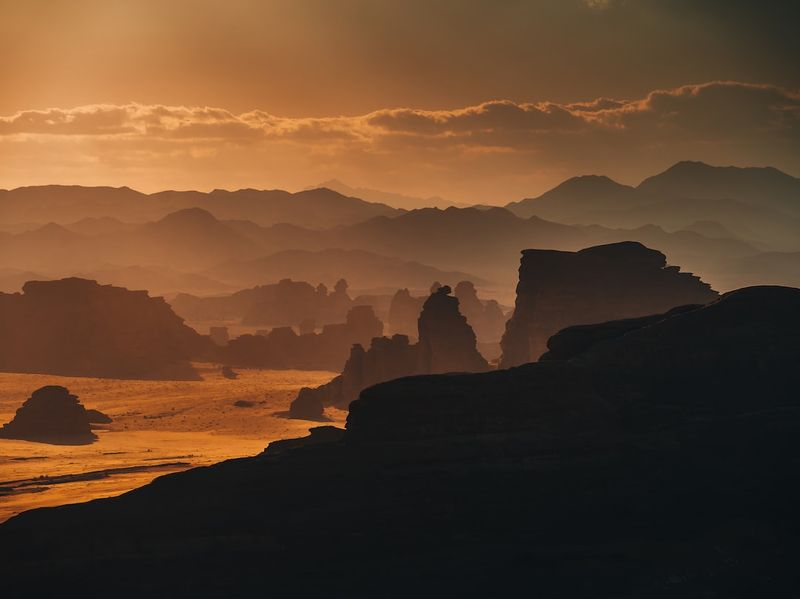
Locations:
column 480, row 101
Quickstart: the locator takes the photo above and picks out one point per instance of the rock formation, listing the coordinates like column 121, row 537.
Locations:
column 286, row 303
column 52, row 415
column 608, row 282
column 404, row 312
column 97, row 417
column 317, row 435
column 661, row 462
column 485, row 318
column 446, row 344
column 76, row 327
column 219, row 335
column 283, row 348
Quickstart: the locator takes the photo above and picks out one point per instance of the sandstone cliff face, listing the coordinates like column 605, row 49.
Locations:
column 79, row 328
column 561, row 289
column 52, row 415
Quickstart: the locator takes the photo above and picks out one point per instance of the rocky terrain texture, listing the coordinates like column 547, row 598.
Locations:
column 608, row 282
column 79, row 328
column 53, row 415
column 660, row 462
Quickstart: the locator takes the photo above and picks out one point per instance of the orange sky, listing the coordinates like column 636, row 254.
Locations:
column 112, row 92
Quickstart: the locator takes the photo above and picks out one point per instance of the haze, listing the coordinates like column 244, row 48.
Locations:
column 478, row 102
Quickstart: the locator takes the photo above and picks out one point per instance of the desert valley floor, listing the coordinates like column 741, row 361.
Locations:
column 158, row 427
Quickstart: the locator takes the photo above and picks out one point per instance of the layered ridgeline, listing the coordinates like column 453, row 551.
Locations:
column 736, row 226
column 597, row 284
column 650, row 463
column 759, row 204
column 77, row 327
column 314, row 208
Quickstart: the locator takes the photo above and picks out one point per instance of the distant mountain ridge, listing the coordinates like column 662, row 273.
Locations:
column 315, row 208
column 396, row 200
column 762, row 204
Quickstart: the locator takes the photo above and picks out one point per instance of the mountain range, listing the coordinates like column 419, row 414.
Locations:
column 732, row 226
column 757, row 204
column 63, row 204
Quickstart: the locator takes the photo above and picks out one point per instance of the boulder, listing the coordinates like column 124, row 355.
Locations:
column 51, row 415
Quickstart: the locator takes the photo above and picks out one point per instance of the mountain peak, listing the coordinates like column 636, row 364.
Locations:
column 190, row 215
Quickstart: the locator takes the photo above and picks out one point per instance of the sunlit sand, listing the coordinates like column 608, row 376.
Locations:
column 158, row 427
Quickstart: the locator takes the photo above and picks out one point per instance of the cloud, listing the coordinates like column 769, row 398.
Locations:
column 483, row 152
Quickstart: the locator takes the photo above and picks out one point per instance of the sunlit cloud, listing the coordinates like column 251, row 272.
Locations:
column 536, row 142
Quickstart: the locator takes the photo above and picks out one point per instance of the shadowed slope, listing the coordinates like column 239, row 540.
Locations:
column 667, row 475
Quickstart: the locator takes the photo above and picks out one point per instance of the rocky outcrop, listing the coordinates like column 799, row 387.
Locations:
column 661, row 462
column 76, row 327
column 317, row 435
column 698, row 360
column 97, row 417
column 403, row 313
column 285, row 303
column 52, row 415
column 283, row 348
column 608, row 282
column 446, row 344
column 485, row 317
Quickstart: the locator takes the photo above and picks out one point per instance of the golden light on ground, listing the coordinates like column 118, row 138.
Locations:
column 162, row 426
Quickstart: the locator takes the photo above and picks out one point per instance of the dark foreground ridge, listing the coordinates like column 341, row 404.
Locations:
column 656, row 462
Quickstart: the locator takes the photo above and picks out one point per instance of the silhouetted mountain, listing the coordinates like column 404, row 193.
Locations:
column 758, row 204
column 760, row 187
column 575, row 198
column 76, row 327
column 652, row 464
column 710, row 229
column 397, row 200
column 94, row 226
column 187, row 238
column 67, row 203
column 362, row 269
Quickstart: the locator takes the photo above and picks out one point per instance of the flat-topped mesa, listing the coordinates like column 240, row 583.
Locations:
column 559, row 289
column 77, row 327
column 52, row 415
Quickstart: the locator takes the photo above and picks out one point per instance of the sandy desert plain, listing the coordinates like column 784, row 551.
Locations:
column 158, row 427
